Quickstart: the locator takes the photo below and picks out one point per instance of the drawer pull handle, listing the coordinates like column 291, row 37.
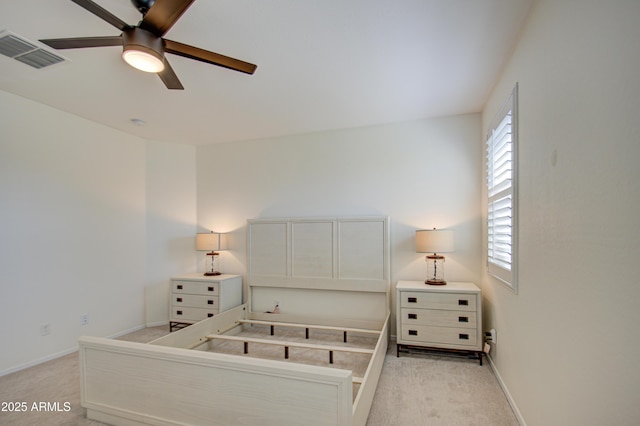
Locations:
column 179, row 286
column 413, row 316
column 463, row 319
column 178, row 312
column 412, row 300
column 413, row 332
column 178, row 299
column 463, row 336
column 209, row 302
column 209, row 315
column 210, row 289
column 463, row 302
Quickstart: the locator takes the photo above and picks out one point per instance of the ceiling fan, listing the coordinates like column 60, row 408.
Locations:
column 143, row 44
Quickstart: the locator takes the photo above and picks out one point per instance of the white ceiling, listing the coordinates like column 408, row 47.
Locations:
column 322, row 64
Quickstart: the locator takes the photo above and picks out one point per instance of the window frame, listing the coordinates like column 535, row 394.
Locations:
column 508, row 276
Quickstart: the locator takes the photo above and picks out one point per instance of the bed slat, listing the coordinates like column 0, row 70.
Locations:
column 291, row 344
column 316, row 327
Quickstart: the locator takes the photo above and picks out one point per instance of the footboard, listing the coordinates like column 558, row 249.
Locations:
column 132, row 383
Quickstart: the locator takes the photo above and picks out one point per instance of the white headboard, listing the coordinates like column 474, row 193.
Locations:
column 320, row 267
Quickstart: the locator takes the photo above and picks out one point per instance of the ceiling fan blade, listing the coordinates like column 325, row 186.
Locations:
column 80, row 42
column 202, row 55
column 169, row 77
column 103, row 14
column 163, row 15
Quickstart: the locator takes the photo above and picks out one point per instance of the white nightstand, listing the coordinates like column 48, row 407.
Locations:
column 195, row 297
column 447, row 317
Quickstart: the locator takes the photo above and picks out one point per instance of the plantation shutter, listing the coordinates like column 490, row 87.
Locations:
column 501, row 206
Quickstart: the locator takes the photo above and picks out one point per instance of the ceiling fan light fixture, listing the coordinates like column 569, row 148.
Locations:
column 142, row 60
column 143, row 50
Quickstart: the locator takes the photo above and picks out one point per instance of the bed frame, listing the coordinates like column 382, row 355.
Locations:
column 324, row 273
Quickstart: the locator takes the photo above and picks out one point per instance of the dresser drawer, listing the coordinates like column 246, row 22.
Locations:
column 195, row 301
column 191, row 287
column 448, row 301
column 438, row 318
column 426, row 335
column 186, row 313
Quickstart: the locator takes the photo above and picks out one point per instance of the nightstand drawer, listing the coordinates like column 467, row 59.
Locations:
column 447, row 301
column 195, row 301
column 186, row 313
column 439, row 335
column 192, row 287
column 438, row 318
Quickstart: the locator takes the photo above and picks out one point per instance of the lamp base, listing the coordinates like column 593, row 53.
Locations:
column 208, row 274
column 435, row 282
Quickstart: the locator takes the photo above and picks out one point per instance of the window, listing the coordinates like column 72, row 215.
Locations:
column 502, row 193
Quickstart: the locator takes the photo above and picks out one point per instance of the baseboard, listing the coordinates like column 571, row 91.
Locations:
column 127, row 331
column 63, row 353
column 512, row 403
column 38, row 361
column 157, row 324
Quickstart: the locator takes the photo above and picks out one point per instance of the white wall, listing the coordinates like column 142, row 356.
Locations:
column 422, row 174
column 72, row 230
column 567, row 343
column 171, row 222
column 92, row 221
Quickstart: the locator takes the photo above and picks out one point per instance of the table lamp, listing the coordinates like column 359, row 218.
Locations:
column 212, row 243
column 434, row 241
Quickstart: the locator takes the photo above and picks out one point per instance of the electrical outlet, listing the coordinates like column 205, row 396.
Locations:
column 494, row 336
column 45, row 329
column 84, row 319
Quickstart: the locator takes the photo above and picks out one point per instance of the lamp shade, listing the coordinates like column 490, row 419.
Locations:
column 434, row 241
column 211, row 242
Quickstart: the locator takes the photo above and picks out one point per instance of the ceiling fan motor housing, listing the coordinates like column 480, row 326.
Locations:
column 139, row 40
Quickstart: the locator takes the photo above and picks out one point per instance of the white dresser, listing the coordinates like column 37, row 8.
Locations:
column 447, row 317
column 195, row 297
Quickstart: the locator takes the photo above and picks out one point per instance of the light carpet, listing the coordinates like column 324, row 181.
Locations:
column 438, row 390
